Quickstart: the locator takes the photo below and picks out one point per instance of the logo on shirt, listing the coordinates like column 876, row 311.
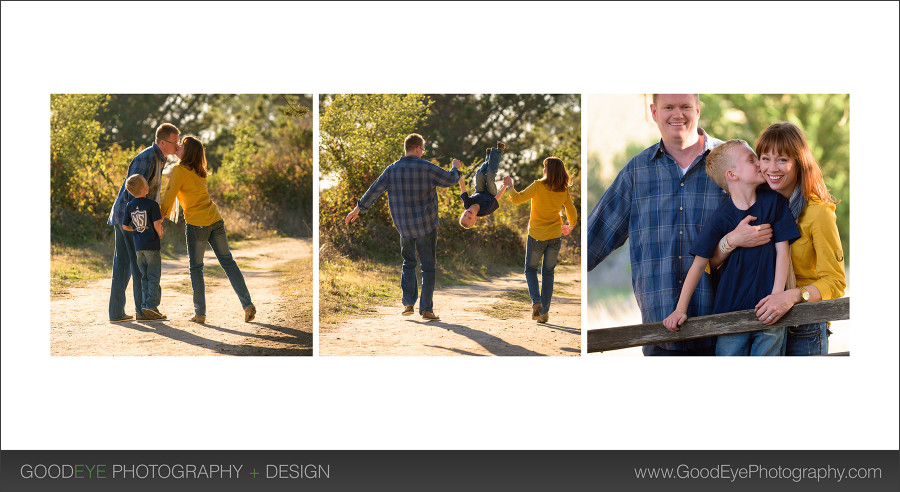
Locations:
column 139, row 220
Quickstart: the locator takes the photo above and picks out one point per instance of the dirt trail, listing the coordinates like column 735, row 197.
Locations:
column 464, row 328
column 79, row 320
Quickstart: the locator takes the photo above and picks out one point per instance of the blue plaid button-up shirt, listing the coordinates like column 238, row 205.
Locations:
column 412, row 198
column 149, row 163
column 662, row 212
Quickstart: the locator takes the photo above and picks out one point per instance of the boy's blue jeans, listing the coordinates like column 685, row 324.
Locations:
column 763, row 342
column 535, row 250
column 487, row 173
column 423, row 246
column 150, row 264
column 811, row 339
column 124, row 268
column 214, row 234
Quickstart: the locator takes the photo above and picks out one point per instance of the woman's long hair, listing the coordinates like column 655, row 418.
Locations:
column 557, row 178
column 194, row 156
column 787, row 139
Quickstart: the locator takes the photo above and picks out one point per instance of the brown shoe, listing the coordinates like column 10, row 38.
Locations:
column 543, row 318
column 536, row 310
column 198, row 319
column 249, row 313
column 501, row 146
column 429, row 316
column 408, row 311
column 123, row 319
column 149, row 317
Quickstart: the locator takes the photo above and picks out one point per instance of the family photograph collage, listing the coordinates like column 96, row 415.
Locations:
column 391, row 224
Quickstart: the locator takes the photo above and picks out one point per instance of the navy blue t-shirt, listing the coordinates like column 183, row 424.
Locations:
column 749, row 273
column 487, row 204
column 140, row 214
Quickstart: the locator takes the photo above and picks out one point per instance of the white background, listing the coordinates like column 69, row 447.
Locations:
column 448, row 402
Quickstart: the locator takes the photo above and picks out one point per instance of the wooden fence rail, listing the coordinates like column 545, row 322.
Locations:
column 602, row 339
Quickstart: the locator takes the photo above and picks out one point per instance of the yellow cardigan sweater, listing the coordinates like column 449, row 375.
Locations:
column 818, row 256
column 545, row 222
column 192, row 195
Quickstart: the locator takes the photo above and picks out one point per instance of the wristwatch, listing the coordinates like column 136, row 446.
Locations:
column 804, row 294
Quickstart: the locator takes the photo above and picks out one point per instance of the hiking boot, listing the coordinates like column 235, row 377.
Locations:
column 543, row 318
column 151, row 315
column 536, row 310
column 429, row 316
column 124, row 318
column 198, row 318
column 501, row 146
column 249, row 313
column 408, row 311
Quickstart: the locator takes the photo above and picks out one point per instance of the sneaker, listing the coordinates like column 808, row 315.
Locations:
column 501, row 146
column 124, row 318
column 408, row 311
column 197, row 318
column 429, row 316
column 249, row 313
column 543, row 318
column 536, row 310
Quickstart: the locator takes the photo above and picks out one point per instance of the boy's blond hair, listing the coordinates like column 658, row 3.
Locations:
column 720, row 160
column 135, row 184
column 463, row 224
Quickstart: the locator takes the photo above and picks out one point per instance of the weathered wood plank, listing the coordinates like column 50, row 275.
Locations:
column 621, row 337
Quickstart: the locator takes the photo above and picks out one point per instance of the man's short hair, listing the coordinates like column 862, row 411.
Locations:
column 164, row 130
column 696, row 98
column 412, row 141
column 135, row 184
column 720, row 160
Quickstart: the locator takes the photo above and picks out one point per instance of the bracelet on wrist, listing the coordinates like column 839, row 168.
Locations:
column 724, row 247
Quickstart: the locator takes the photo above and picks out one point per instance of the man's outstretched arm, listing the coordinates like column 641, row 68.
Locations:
column 365, row 203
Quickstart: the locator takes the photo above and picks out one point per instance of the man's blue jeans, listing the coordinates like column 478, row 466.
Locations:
column 125, row 267
column 811, row 339
column 150, row 264
column 762, row 342
column 214, row 234
column 423, row 247
column 535, row 251
column 487, row 173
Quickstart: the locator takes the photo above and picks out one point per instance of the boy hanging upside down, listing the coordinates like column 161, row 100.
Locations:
column 484, row 201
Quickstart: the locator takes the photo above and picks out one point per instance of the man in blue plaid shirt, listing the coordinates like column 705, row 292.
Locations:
column 149, row 163
column 412, row 199
column 660, row 200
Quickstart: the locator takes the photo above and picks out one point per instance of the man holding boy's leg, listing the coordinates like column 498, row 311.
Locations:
column 412, row 200
column 149, row 163
column 662, row 216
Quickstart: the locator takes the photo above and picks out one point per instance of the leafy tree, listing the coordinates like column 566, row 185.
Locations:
column 360, row 135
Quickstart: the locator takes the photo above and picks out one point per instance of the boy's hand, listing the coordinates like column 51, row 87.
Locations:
column 457, row 163
column 566, row 229
column 674, row 321
column 507, row 181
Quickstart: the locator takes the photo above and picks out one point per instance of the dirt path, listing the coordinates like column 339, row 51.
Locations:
column 79, row 319
column 465, row 327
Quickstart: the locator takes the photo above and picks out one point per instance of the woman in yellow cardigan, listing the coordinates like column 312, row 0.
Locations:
column 545, row 230
column 187, row 184
column 787, row 163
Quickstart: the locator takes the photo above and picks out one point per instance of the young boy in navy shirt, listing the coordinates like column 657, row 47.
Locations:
column 142, row 215
column 749, row 274
column 485, row 199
